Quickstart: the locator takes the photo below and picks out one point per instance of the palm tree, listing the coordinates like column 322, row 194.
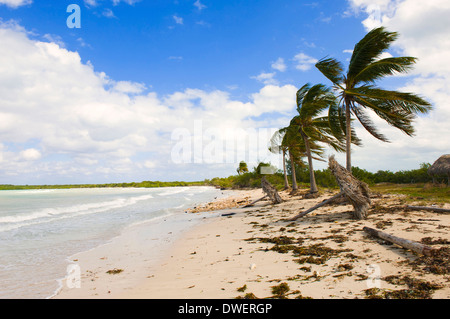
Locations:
column 277, row 147
column 296, row 146
column 242, row 168
column 311, row 101
column 358, row 92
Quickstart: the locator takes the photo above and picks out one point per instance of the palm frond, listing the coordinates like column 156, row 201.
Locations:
column 407, row 102
column 368, row 49
column 367, row 123
column 379, row 69
column 301, row 94
column 332, row 69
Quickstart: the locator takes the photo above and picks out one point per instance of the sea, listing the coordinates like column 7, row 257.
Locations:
column 41, row 229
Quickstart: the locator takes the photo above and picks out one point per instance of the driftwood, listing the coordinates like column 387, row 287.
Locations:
column 357, row 192
column 255, row 201
column 270, row 191
column 434, row 209
column 315, row 207
column 405, row 243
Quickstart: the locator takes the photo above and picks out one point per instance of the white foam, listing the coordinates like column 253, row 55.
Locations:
column 51, row 214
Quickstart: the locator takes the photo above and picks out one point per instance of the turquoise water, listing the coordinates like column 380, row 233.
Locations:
column 40, row 229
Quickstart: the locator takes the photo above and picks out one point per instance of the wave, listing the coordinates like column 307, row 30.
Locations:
column 173, row 192
column 51, row 214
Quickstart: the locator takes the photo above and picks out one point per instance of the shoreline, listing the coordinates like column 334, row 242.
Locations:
column 137, row 248
column 248, row 253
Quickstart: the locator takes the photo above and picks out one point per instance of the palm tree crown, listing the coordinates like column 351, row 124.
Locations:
column 358, row 92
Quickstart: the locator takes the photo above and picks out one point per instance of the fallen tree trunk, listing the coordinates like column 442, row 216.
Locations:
column 315, row 207
column 405, row 243
column 434, row 209
column 357, row 192
column 271, row 191
column 255, row 201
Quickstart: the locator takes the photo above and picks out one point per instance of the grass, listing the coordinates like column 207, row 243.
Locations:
column 426, row 193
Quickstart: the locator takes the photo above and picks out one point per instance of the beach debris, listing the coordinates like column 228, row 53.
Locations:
column 434, row 209
column 329, row 200
column 228, row 214
column 114, row 271
column 255, row 201
column 252, row 266
column 405, row 243
column 270, row 191
column 242, row 289
column 220, row 204
column 357, row 192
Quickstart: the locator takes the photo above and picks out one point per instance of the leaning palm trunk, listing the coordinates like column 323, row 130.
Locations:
column 286, row 182
column 356, row 191
column 348, row 136
column 312, row 178
column 294, row 177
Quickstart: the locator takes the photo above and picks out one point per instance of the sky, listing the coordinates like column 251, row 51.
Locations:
column 185, row 90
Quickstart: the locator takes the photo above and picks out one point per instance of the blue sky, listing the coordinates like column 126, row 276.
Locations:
column 218, row 46
column 101, row 103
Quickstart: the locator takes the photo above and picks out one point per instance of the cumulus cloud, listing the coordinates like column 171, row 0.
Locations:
column 279, row 65
column 15, row 3
column 30, row 154
column 200, row 6
column 304, row 62
column 177, row 19
column 62, row 119
column 265, row 78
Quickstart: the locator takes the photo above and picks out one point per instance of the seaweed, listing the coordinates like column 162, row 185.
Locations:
column 242, row 289
column 438, row 263
column 249, row 295
column 114, row 271
column 416, row 289
column 280, row 291
column 431, row 241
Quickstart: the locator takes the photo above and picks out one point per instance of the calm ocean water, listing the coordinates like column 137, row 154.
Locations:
column 40, row 229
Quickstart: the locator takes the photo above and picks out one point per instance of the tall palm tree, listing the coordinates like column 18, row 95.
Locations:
column 313, row 128
column 358, row 92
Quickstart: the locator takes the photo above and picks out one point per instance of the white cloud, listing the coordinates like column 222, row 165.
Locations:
column 91, row 3
column 108, row 13
column 178, row 20
column 60, row 121
column 128, row 87
column 30, row 154
column 200, row 6
column 304, row 62
column 279, row 65
column 15, row 3
column 265, row 78
column 116, row 2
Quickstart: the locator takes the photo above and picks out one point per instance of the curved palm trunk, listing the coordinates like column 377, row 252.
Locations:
column 286, row 182
column 348, row 135
column 312, row 178
column 294, row 178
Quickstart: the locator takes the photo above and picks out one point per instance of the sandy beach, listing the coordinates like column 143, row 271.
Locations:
column 255, row 252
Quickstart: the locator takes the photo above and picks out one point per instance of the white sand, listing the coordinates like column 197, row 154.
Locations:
column 214, row 259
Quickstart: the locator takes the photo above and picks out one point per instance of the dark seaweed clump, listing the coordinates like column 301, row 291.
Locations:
column 438, row 263
column 416, row 289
